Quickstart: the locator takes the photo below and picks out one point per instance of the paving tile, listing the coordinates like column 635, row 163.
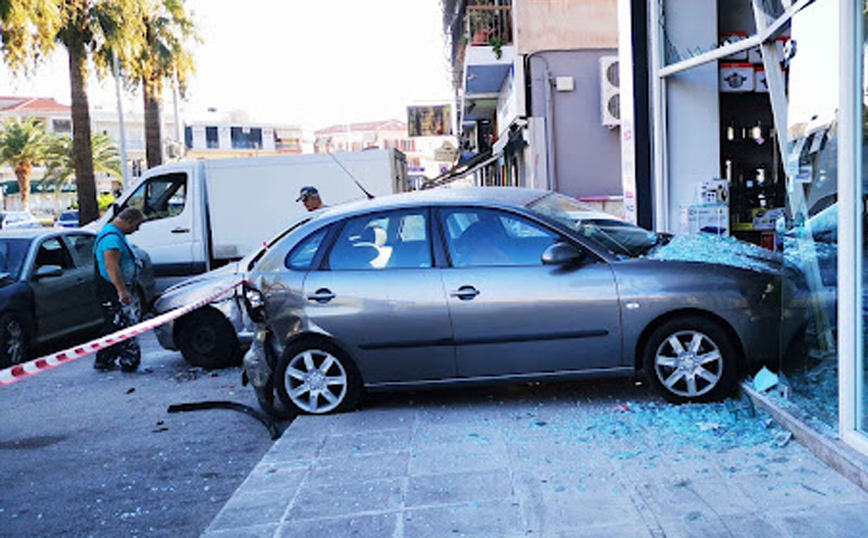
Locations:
column 836, row 521
column 457, row 433
column 249, row 508
column 451, row 488
column 704, row 525
column 359, row 467
column 271, row 477
column 607, row 531
column 309, row 426
column 680, row 498
column 476, row 519
column 457, row 458
column 364, row 526
column 348, row 497
column 370, row 420
column 781, row 491
column 290, row 448
column 564, row 504
column 260, row 531
column 366, row 443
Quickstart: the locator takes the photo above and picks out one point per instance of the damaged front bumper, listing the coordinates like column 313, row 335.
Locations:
column 258, row 370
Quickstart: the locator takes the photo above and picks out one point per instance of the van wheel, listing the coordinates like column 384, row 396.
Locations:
column 315, row 377
column 691, row 359
column 207, row 339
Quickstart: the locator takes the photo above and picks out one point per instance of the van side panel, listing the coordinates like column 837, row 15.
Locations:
column 250, row 200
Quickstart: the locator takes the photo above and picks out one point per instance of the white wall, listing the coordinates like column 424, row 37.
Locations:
column 692, row 106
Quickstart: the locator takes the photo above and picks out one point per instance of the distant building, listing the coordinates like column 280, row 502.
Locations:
column 209, row 139
column 58, row 120
column 427, row 157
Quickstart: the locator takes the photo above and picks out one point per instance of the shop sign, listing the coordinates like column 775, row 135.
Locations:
column 736, row 77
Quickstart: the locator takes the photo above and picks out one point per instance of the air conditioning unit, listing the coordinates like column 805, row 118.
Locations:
column 610, row 93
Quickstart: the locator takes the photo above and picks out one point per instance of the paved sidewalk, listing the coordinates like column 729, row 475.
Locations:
column 577, row 460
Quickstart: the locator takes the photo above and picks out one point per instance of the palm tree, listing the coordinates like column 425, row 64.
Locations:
column 88, row 29
column 168, row 30
column 60, row 160
column 23, row 143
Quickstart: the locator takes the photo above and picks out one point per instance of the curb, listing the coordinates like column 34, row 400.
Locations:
column 833, row 452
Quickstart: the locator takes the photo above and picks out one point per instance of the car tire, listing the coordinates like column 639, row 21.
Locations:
column 691, row 359
column 13, row 341
column 315, row 377
column 207, row 339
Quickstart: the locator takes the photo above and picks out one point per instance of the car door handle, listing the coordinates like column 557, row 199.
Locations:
column 465, row 293
column 321, row 296
column 180, row 230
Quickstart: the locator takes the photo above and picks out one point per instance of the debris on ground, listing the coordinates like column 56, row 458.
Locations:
column 764, row 380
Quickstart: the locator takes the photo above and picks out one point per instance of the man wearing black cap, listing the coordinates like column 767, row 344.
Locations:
column 309, row 196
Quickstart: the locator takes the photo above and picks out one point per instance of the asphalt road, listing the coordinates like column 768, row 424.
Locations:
column 87, row 453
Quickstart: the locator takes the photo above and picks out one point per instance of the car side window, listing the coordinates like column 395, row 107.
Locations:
column 160, row 197
column 301, row 257
column 82, row 246
column 395, row 240
column 53, row 252
column 485, row 237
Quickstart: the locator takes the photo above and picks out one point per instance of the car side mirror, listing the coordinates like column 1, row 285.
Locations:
column 46, row 271
column 562, row 253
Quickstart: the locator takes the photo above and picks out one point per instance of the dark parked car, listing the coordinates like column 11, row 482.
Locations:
column 47, row 288
column 67, row 219
column 473, row 285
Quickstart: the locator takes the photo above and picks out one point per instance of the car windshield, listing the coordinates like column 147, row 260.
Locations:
column 12, row 254
column 618, row 237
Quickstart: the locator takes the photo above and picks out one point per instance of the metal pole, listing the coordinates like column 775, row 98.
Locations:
column 179, row 129
column 124, row 170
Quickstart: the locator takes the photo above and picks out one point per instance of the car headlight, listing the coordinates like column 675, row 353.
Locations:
column 254, row 302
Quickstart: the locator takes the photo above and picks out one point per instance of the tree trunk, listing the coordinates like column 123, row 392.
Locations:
column 153, row 136
column 85, row 183
column 22, row 173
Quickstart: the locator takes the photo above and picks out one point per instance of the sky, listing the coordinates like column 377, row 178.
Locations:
column 309, row 63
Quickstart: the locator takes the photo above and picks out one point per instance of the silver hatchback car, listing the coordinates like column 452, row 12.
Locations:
column 475, row 285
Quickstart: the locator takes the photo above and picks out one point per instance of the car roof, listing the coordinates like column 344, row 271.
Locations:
column 510, row 196
column 30, row 233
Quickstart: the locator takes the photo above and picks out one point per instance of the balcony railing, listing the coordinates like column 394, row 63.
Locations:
column 489, row 25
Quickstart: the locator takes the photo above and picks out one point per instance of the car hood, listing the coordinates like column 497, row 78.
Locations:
column 196, row 288
column 230, row 270
column 719, row 250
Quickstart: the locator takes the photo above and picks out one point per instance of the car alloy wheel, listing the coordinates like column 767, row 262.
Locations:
column 14, row 340
column 690, row 359
column 317, row 379
column 689, row 363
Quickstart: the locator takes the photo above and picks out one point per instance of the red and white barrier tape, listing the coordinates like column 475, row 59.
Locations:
column 27, row 369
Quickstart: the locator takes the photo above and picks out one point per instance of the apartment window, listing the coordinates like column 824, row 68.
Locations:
column 212, row 139
column 188, row 137
column 61, row 126
column 246, row 137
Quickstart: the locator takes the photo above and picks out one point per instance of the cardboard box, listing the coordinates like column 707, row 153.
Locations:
column 715, row 191
column 764, row 219
column 709, row 218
